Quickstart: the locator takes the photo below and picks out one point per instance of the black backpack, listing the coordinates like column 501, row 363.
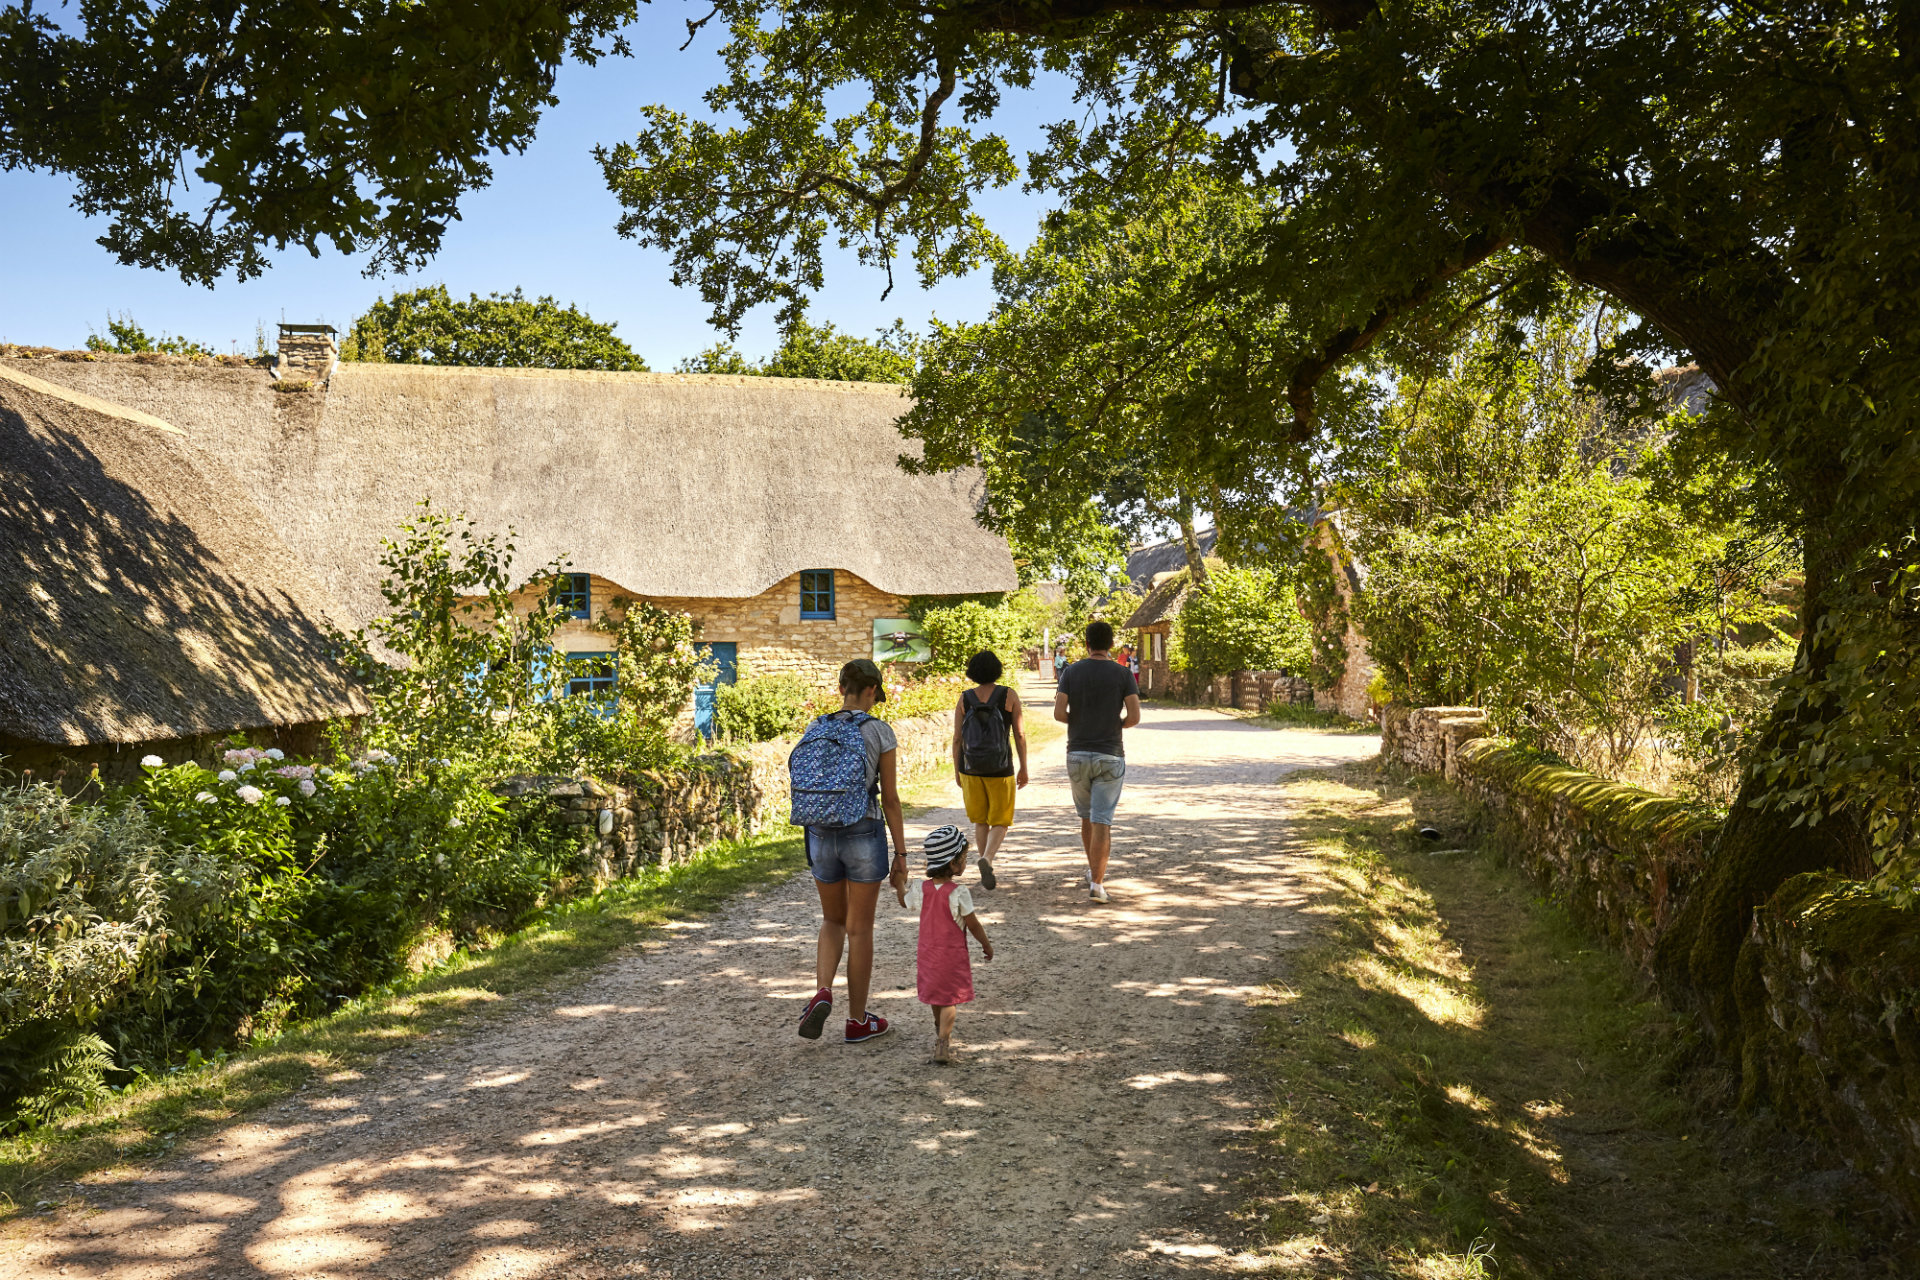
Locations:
column 984, row 749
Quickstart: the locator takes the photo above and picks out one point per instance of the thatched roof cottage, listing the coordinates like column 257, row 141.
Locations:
column 150, row 604
column 771, row 509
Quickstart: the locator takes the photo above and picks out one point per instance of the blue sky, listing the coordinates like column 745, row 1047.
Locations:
column 545, row 225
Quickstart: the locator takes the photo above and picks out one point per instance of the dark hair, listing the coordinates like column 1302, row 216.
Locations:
column 984, row 667
column 860, row 675
column 1099, row 636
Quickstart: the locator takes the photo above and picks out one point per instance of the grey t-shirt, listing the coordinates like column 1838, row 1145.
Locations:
column 1097, row 690
column 880, row 739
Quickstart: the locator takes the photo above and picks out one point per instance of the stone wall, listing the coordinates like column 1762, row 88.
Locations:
column 663, row 818
column 1828, row 982
column 1246, row 690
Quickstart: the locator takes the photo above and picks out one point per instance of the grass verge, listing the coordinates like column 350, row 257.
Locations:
column 150, row 1118
column 1467, row 1084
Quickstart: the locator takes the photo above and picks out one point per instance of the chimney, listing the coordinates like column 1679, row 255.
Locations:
column 307, row 353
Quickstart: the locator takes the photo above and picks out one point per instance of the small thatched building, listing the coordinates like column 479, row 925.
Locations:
column 150, row 606
column 771, row 509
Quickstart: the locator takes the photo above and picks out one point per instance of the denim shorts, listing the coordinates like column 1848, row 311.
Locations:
column 1096, row 780
column 857, row 852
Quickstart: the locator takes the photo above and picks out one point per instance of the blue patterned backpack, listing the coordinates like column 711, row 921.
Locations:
column 827, row 771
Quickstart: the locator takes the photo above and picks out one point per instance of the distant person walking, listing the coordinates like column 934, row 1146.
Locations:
column 843, row 775
column 1059, row 662
column 1097, row 699
column 983, row 763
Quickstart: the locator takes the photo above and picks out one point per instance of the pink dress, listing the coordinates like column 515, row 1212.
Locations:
column 946, row 970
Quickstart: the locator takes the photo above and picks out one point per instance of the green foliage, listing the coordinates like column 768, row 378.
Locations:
column 819, row 351
column 360, row 126
column 472, row 663
column 959, row 631
column 761, row 708
column 126, row 338
column 501, row 331
column 1242, row 620
column 656, row 666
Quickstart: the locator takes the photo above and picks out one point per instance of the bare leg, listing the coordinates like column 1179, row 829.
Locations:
column 1097, row 839
column 991, row 841
column 833, row 933
column 982, row 833
column 859, row 930
column 943, row 1032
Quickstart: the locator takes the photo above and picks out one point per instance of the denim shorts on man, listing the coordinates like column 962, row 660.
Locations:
column 1096, row 780
column 856, row 852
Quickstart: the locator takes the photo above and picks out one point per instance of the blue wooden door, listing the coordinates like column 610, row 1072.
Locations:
column 725, row 655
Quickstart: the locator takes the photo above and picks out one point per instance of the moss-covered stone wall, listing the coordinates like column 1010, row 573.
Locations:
column 1828, row 980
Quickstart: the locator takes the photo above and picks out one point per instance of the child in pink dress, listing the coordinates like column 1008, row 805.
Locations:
column 946, row 908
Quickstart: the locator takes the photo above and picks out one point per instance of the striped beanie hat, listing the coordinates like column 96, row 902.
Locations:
column 943, row 845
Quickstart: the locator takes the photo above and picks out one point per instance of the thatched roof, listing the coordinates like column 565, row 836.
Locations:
column 667, row 484
column 148, row 597
column 1145, row 564
column 1163, row 603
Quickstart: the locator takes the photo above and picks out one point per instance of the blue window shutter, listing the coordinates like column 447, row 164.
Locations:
column 573, row 592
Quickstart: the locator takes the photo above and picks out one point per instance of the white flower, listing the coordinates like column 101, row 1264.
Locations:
column 326, row 771
column 252, row 795
column 151, row 762
column 228, row 775
column 306, row 787
column 247, row 767
column 282, row 801
column 206, row 797
column 275, row 753
column 233, row 757
column 455, row 822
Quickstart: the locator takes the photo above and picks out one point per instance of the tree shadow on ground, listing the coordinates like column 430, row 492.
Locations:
column 1468, row 1082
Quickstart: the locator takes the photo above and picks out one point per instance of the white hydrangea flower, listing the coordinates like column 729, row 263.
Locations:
column 307, row 787
column 282, row 801
column 252, row 795
column 206, row 797
column 455, row 822
column 151, row 762
column 228, row 775
column 247, row 767
column 275, row 753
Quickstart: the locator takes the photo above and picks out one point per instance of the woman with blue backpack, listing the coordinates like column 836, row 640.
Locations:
column 842, row 773
column 988, row 728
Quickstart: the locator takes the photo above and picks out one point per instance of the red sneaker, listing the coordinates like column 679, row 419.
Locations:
column 872, row 1027
column 814, row 1020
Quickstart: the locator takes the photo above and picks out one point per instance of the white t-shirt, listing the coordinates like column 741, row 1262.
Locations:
column 960, row 902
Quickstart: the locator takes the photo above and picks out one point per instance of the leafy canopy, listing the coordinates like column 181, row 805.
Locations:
column 501, row 330
column 819, row 351
column 211, row 135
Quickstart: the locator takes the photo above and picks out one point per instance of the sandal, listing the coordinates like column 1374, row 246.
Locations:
column 943, row 1049
column 987, row 880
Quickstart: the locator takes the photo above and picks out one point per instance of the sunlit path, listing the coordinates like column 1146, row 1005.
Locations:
column 661, row 1118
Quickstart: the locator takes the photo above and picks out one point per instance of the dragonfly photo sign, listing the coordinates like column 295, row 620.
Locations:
column 899, row 640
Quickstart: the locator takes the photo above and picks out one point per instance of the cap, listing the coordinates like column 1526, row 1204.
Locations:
column 868, row 668
column 943, row 845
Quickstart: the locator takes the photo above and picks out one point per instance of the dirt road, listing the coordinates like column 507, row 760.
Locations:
column 662, row 1119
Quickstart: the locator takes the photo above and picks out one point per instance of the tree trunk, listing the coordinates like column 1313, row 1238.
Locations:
column 1190, row 543
column 1759, row 848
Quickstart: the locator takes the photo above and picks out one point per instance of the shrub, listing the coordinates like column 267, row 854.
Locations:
column 761, row 708
column 957, row 632
column 92, row 903
column 1242, row 620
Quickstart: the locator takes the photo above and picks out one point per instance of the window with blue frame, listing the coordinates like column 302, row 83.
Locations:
column 573, row 592
column 816, row 593
column 591, row 674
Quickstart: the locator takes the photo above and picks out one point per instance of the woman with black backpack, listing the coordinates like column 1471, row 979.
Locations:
column 983, row 765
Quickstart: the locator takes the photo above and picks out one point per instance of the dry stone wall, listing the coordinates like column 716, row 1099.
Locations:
column 1828, row 981
column 660, row 818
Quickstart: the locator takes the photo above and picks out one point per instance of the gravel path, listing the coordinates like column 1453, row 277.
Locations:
column 662, row 1119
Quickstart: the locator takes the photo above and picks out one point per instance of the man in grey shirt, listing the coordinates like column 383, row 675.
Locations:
column 1097, row 699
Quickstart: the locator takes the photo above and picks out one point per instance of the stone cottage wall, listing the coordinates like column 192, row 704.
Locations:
column 1828, row 982
column 768, row 628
